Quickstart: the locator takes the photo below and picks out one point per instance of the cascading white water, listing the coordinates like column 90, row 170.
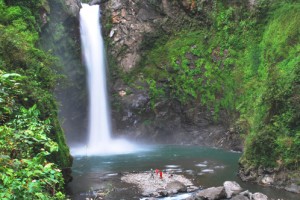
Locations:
column 100, row 141
column 94, row 55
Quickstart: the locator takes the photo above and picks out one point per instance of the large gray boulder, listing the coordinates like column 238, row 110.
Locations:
column 175, row 187
column 231, row 187
column 212, row 193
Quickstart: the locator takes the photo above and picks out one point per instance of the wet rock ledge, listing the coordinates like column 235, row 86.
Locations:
column 153, row 187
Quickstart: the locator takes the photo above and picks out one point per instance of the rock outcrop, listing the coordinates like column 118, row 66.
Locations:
column 73, row 7
column 231, row 187
column 212, row 193
column 175, row 187
column 133, row 23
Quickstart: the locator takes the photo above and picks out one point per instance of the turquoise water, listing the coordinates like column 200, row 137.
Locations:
column 206, row 167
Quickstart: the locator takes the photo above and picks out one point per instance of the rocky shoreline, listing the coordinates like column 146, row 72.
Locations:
column 152, row 187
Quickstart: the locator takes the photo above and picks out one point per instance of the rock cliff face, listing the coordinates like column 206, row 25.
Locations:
column 131, row 27
column 134, row 23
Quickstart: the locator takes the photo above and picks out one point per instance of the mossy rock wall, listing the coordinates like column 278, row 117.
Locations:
column 230, row 63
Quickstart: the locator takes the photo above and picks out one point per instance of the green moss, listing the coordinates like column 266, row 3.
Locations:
column 275, row 112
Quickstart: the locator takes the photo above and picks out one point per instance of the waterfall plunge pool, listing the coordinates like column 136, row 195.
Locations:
column 204, row 166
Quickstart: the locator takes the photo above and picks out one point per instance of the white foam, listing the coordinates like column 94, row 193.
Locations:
column 207, row 170
column 219, row 167
column 172, row 166
column 201, row 165
column 114, row 174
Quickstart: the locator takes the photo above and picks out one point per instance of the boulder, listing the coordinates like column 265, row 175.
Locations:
column 176, row 186
column 293, row 188
column 231, row 187
column 212, row 193
column 259, row 196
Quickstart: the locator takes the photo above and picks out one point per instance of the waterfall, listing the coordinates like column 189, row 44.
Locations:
column 94, row 55
column 99, row 129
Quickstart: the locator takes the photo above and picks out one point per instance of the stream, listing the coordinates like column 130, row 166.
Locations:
column 206, row 167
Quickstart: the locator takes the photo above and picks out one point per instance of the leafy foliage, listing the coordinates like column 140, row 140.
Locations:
column 31, row 138
column 25, row 147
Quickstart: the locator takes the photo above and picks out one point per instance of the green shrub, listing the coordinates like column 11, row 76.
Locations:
column 31, row 137
column 25, row 147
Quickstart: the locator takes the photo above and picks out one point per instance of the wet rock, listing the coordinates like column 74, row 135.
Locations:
column 146, row 194
column 212, row 193
column 246, row 194
column 293, row 188
column 259, row 196
column 240, row 197
column 176, row 187
column 231, row 187
column 140, row 100
column 146, row 14
column 267, row 180
column 163, row 193
column 73, row 7
column 247, row 174
column 192, row 188
column 155, row 194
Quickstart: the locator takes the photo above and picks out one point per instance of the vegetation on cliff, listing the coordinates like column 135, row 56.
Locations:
column 31, row 139
column 244, row 63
